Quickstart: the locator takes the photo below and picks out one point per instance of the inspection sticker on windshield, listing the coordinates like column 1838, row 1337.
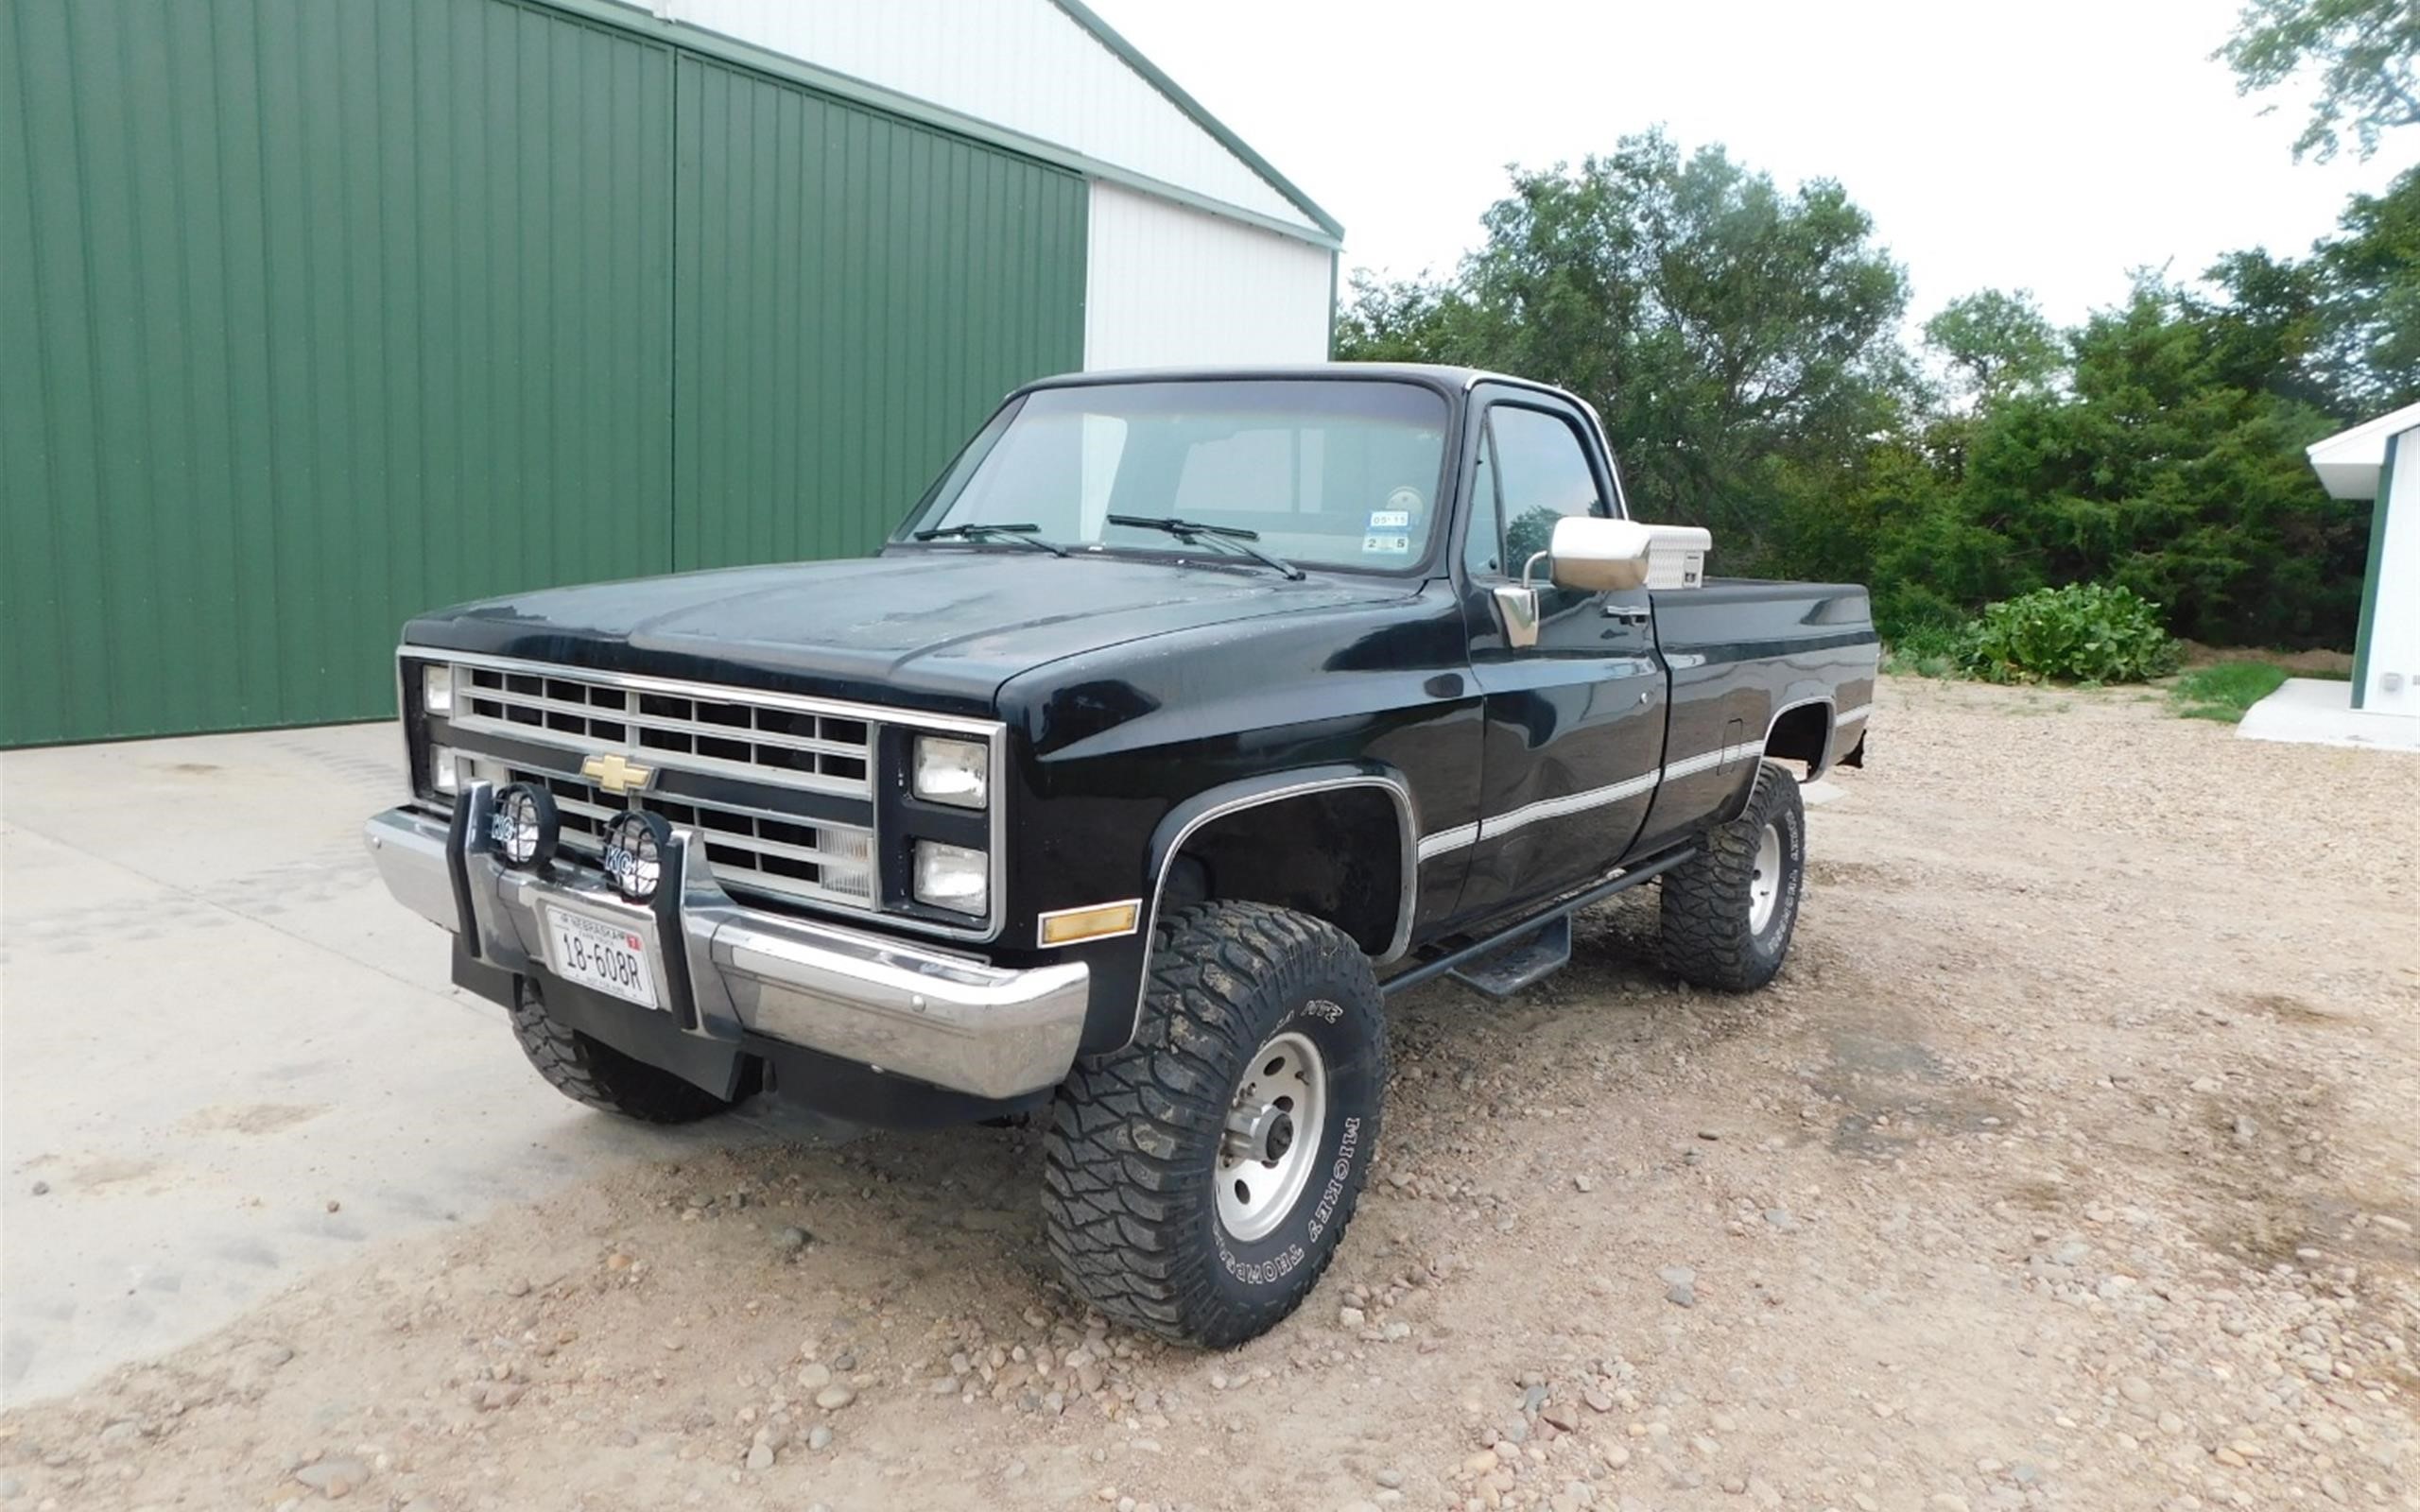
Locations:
column 1391, row 544
column 1390, row 519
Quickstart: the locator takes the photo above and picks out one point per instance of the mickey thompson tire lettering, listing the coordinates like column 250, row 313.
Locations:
column 587, row 1071
column 1129, row 1204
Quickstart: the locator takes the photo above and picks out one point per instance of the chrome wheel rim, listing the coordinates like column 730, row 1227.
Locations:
column 1764, row 879
column 1272, row 1136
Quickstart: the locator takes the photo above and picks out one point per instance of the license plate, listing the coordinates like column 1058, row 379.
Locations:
column 602, row 955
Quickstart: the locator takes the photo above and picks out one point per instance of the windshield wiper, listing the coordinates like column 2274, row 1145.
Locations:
column 1193, row 532
column 1021, row 535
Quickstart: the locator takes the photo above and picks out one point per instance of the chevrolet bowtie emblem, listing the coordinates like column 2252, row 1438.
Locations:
column 615, row 774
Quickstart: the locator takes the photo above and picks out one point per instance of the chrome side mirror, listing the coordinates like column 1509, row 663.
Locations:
column 1599, row 555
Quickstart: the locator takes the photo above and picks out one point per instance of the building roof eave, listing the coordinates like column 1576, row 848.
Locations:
column 1129, row 54
column 2348, row 462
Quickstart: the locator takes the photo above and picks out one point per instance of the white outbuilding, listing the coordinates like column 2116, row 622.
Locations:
column 2378, row 461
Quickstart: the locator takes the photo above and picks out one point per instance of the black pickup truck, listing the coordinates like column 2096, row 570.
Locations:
column 1189, row 715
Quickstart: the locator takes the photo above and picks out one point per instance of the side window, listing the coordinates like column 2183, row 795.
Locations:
column 1542, row 474
column 1483, row 547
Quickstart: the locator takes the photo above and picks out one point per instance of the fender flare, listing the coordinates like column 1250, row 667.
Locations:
column 1733, row 805
column 1831, row 728
column 1179, row 824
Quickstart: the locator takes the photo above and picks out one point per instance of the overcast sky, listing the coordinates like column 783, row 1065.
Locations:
column 2051, row 146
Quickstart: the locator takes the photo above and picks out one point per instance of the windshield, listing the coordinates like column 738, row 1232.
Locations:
column 1325, row 472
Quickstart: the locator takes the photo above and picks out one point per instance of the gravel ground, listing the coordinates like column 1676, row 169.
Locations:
column 2072, row 1164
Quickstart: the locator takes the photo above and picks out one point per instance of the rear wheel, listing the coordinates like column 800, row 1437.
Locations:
column 1729, row 912
column 1199, row 1181
column 592, row 1071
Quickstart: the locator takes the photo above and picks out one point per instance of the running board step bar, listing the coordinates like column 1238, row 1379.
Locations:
column 1452, row 957
column 1508, row 970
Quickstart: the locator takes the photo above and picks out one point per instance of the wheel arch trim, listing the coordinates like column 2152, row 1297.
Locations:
column 1831, row 728
column 1182, row 822
column 1736, row 803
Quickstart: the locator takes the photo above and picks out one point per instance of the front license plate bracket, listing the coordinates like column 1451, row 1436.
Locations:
column 606, row 955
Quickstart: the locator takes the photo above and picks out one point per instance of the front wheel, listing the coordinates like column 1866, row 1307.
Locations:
column 594, row 1073
column 1728, row 912
column 1199, row 1181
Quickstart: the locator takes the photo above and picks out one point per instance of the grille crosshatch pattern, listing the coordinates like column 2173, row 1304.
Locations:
column 821, row 752
column 749, row 848
column 522, row 722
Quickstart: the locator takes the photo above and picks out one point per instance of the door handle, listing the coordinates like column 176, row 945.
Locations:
column 1629, row 614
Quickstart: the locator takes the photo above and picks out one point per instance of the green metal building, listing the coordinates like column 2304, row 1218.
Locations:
column 314, row 315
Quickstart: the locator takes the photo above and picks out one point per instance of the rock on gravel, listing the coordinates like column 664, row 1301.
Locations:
column 333, row 1478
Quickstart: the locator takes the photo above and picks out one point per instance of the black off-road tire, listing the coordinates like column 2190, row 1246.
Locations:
column 1129, row 1185
column 1710, row 935
column 594, row 1073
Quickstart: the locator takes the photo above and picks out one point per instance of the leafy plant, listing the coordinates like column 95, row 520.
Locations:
column 2225, row 690
column 1926, row 649
column 2083, row 632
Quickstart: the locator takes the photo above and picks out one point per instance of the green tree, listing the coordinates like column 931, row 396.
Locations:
column 2368, row 287
column 1404, row 320
column 1996, row 344
column 2368, row 56
column 1737, row 338
column 2166, row 471
column 1740, row 342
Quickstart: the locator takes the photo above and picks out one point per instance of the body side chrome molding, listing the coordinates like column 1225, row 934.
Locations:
column 1551, row 808
column 1490, row 827
column 1445, row 840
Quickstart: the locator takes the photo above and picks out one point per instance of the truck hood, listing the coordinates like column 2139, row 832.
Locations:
column 936, row 630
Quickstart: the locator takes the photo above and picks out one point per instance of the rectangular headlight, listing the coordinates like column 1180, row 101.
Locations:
column 958, row 772
column 953, row 877
column 437, row 687
column 445, row 770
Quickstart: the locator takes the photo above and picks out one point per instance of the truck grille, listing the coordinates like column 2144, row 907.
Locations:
column 766, row 743
column 817, row 861
column 728, row 737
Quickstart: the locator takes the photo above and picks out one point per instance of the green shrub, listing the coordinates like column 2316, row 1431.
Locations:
column 2224, row 692
column 1926, row 649
column 2083, row 632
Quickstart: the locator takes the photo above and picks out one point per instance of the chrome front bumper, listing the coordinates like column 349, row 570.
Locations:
column 720, row 968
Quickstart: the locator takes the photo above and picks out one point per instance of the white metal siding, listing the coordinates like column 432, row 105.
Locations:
column 1023, row 64
column 2394, row 624
column 1165, row 283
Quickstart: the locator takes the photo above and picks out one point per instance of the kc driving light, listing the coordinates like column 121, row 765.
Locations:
column 525, row 826
column 437, row 688
column 953, row 877
column 634, row 857
column 957, row 772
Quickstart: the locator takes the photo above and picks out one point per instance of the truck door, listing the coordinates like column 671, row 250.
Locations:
column 1575, row 723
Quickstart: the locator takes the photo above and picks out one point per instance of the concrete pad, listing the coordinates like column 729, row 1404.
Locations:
column 2316, row 711
column 214, row 1024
